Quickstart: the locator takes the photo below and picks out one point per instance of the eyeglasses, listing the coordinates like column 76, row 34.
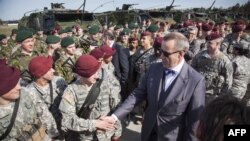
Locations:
column 167, row 54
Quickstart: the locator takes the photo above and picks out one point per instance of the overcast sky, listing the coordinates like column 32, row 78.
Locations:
column 15, row 9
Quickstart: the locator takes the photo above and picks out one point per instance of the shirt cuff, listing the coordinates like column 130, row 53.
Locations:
column 115, row 117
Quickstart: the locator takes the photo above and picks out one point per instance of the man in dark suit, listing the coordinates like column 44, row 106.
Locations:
column 120, row 61
column 175, row 93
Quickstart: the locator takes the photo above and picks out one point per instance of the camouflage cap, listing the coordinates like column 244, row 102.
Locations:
column 125, row 31
column 153, row 28
column 2, row 36
column 52, row 39
column 67, row 41
column 93, row 29
column 243, row 44
column 22, row 35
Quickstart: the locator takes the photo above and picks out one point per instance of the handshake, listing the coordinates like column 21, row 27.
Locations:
column 106, row 123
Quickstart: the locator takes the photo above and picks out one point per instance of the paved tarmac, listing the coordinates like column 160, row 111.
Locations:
column 132, row 132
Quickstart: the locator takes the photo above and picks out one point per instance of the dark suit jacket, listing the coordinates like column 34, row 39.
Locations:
column 177, row 116
column 120, row 62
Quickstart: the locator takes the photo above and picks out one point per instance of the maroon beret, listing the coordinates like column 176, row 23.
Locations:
column 40, row 65
column 132, row 39
column 9, row 77
column 108, row 51
column 206, row 27
column 86, row 66
column 188, row 23
column 97, row 53
column 213, row 36
column 237, row 27
column 157, row 42
column 146, row 33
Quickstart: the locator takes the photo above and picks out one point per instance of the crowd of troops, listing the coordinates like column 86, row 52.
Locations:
column 51, row 77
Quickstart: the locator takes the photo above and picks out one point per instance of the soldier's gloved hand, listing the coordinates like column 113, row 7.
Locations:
column 104, row 125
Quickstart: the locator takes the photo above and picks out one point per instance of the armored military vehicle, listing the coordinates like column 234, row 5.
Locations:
column 47, row 19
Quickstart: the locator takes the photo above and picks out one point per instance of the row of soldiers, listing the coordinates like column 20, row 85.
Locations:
column 118, row 59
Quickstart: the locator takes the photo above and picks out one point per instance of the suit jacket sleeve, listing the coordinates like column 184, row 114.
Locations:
column 124, row 64
column 138, row 95
column 194, row 110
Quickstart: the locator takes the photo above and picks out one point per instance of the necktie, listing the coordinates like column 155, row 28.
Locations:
column 169, row 76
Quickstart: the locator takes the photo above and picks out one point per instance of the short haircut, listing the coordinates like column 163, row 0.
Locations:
column 181, row 42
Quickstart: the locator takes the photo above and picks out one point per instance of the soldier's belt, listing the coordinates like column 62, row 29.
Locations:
column 33, row 132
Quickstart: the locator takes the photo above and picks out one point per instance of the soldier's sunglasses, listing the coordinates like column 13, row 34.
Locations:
column 167, row 54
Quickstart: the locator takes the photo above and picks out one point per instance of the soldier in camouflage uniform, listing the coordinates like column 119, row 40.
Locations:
column 117, row 30
column 5, row 49
column 47, row 86
column 134, row 33
column 40, row 45
column 215, row 67
column 205, row 30
column 12, row 39
column 194, row 45
column 81, row 41
column 153, row 29
column 124, row 36
column 21, row 57
column 63, row 33
column 54, row 47
column 30, row 117
column 241, row 75
column 91, row 128
column 142, row 54
column 65, row 64
column 94, row 36
column 233, row 38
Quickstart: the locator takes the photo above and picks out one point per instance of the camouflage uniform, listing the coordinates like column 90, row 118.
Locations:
column 28, row 112
column 21, row 61
column 40, row 45
column 64, row 68
column 11, row 42
column 125, row 45
column 202, row 44
column 141, row 64
column 73, row 99
column 84, row 43
column 217, row 72
column 241, row 76
column 140, row 61
column 5, row 51
column 194, row 48
column 58, row 86
column 227, row 45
